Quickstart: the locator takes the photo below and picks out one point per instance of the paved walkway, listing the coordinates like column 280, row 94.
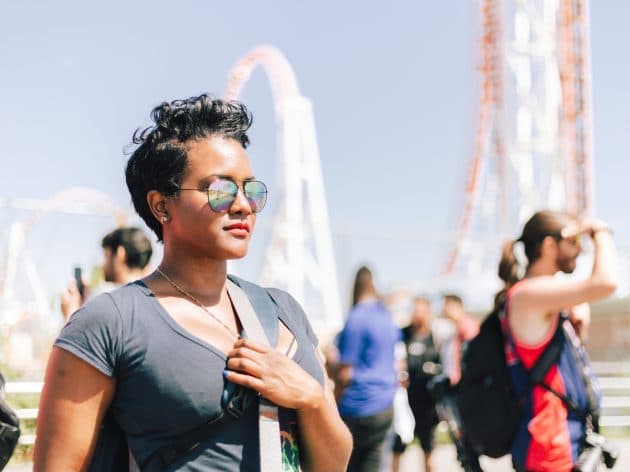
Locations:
column 444, row 460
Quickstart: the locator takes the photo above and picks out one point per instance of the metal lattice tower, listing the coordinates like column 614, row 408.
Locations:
column 533, row 145
column 300, row 257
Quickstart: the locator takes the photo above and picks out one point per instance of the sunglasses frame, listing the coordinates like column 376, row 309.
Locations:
column 240, row 188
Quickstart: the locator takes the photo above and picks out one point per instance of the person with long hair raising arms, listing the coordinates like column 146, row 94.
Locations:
column 161, row 352
column 551, row 435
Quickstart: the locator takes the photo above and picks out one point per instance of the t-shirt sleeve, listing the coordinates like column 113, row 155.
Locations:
column 350, row 341
column 292, row 308
column 94, row 334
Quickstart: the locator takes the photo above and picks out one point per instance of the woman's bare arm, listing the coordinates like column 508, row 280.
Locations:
column 73, row 402
column 548, row 294
column 322, row 432
column 535, row 303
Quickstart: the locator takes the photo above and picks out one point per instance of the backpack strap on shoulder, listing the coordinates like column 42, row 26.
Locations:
column 264, row 306
column 549, row 357
column 255, row 310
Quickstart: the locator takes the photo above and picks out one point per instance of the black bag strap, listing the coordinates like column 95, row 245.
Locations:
column 240, row 399
column 549, row 357
column 167, row 455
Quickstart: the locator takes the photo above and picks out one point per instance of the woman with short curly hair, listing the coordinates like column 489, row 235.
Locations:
column 165, row 354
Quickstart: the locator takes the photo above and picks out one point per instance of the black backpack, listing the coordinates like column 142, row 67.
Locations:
column 9, row 428
column 490, row 410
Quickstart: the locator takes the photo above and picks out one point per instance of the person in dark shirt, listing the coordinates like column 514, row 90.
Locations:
column 423, row 362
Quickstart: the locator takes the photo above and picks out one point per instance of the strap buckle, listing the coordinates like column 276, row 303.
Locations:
column 237, row 404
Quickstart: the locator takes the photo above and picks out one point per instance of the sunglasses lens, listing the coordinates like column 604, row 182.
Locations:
column 221, row 194
column 256, row 194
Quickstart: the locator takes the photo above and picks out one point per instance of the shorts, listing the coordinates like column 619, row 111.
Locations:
column 424, row 433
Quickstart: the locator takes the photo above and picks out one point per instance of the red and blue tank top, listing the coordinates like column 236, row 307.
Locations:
column 549, row 435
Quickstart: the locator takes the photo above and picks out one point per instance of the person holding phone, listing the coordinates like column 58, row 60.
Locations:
column 159, row 351
column 126, row 254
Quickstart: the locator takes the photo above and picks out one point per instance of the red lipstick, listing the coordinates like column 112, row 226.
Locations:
column 238, row 229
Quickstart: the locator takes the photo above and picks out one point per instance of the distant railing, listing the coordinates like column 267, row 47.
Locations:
column 22, row 388
column 614, row 381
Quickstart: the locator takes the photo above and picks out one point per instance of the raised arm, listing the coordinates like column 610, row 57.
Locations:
column 73, row 403
column 548, row 294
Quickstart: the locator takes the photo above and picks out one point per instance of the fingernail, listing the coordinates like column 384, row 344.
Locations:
column 225, row 373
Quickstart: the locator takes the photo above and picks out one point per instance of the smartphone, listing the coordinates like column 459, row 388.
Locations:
column 78, row 277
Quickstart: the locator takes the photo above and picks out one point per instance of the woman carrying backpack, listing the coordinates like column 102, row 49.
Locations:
column 551, row 434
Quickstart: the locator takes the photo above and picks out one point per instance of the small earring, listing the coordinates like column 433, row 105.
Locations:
column 164, row 219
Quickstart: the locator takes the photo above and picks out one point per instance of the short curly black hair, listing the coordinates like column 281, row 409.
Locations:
column 160, row 160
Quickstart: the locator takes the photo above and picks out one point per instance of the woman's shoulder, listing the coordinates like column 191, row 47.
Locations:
column 95, row 332
column 291, row 309
column 132, row 290
column 283, row 298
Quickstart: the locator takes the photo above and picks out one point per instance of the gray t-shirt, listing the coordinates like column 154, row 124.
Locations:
column 169, row 381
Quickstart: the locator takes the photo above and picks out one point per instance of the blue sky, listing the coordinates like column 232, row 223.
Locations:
column 394, row 87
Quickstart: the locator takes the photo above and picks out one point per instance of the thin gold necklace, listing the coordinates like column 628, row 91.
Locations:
column 201, row 305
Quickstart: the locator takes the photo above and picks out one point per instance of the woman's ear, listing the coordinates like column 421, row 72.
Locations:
column 158, row 205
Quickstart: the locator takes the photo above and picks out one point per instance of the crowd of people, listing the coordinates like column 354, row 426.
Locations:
column 166, row 368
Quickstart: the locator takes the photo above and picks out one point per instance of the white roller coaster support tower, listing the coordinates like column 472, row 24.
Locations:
column 300, row 255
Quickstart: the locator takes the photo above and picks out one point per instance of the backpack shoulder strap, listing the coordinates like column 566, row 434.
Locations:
column 264, row 307
column 549, row 357
column 255, row 310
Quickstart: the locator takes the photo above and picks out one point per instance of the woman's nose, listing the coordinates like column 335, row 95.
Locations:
column 241, row 204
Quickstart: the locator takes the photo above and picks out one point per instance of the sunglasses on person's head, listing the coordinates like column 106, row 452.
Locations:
column 223, row 191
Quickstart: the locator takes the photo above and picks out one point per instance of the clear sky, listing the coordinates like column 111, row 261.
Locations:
column 395, row 92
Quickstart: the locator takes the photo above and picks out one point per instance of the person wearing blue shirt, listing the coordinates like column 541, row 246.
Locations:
column 366, row 381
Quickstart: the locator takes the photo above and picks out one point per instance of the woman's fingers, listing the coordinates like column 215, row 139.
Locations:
column 272, row 374
column 253, row 345
column 245, row 365
column 246, row 351
column 245, row 380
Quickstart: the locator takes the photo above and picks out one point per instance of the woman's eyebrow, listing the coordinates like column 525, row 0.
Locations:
column 225, row 176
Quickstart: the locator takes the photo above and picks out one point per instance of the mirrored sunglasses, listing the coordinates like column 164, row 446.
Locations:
column 222, row 192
